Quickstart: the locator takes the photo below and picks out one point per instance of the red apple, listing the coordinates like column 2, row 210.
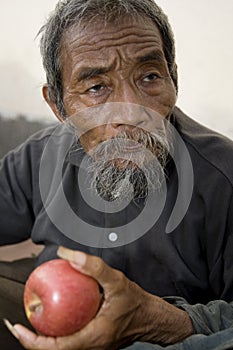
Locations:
column 59, row 300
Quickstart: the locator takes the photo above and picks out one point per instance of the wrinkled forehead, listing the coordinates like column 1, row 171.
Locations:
column 97, row 33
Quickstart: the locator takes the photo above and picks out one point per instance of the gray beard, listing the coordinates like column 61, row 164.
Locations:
column 115, row 173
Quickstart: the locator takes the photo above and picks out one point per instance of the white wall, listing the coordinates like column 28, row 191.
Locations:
column 203, row 31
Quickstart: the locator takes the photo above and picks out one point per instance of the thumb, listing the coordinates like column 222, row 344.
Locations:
column 90, row 265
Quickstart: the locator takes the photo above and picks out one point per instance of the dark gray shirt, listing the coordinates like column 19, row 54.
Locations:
column 193, row 261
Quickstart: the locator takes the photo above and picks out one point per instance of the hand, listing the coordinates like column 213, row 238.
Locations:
column 127, row 314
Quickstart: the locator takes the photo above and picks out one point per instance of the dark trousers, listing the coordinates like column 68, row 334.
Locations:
column 13, row 276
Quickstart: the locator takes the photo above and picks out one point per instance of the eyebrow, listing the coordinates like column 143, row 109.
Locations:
column 151, row 56
column 91, row 72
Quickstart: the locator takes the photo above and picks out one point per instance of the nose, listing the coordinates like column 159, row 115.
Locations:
column 128, row 107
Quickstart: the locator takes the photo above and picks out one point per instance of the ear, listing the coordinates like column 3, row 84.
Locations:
column 52, row 105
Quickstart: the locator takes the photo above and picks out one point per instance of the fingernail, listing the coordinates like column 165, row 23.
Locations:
column 76, row 257
column 65, row 253
column 11, row 328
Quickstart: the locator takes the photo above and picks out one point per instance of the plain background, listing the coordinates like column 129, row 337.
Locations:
column 203, row 31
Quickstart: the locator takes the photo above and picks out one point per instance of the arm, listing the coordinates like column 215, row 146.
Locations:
column 217, row 315
column 127, row 314
column 16, row 218
column 207, row 319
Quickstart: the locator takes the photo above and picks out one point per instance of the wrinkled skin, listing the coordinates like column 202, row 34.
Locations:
column 102, row 65
column 127, row 314
column 133, row 70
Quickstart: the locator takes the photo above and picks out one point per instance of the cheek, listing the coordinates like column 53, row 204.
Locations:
column 86, row 142
column 91, row 139
column 169, row 97
column 170, row 93
column 72, row 104
column 165, row 101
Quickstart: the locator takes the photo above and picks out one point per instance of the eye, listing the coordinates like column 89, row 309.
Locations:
column 150, row 77
column 96, row 88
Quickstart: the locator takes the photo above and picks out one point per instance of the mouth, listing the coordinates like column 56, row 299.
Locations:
column 129, row 146
column 132, row 146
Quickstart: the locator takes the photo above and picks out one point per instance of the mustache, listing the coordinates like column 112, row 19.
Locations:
column 156, row 143
column 141, row 136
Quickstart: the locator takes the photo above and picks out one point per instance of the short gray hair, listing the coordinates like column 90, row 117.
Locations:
column 70, row 12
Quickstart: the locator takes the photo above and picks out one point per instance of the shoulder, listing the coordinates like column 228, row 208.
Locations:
column 36, row 142
column 42, row 136
column 205, row 145
column 27, row 156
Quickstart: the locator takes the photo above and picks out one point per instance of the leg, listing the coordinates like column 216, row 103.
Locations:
column 12, row 279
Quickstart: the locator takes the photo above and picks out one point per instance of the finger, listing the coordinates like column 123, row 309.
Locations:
column 30, row 340
column 92, row 266
column 96, row 335
column 11, row 328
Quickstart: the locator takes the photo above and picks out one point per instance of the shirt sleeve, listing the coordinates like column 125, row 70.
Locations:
column 227, row 258
column 16, row 215
column 207, row 319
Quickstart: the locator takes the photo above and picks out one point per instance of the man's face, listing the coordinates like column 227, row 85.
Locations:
column 117, row 75
column 108, row 63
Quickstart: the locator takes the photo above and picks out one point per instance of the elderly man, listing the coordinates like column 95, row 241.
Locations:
column 138, row 193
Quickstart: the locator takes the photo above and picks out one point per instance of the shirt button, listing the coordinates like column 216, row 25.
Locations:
column 113, row 237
